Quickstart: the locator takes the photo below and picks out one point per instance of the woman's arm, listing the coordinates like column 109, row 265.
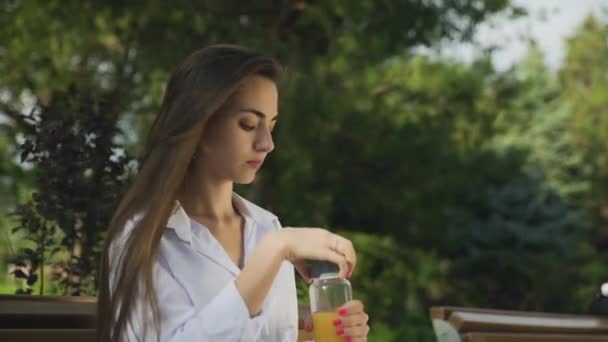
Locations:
column 255, row 279
column 290, row 244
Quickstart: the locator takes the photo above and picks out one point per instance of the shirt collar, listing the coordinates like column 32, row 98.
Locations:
column 179, row 220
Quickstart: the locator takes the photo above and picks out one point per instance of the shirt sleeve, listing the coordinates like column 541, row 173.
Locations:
column 224, row 318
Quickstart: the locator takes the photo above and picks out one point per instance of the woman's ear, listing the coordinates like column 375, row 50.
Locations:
column 206, row 137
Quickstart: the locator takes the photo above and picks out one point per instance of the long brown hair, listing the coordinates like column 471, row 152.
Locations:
column 197, row 89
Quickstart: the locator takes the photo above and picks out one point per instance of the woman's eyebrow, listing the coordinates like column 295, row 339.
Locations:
column 257, row 113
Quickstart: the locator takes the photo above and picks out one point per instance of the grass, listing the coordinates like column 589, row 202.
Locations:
column 7, row 286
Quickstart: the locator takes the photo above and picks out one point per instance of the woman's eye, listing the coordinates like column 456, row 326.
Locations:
column 247, row 127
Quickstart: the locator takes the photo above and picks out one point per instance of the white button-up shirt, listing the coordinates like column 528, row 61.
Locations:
column 194, row 282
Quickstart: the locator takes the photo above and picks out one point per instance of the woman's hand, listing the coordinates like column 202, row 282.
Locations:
column 304, row 243
column 352, row 322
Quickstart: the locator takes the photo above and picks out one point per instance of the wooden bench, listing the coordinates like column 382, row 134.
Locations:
column 456, row 324
column 61, row 319
column 47, row 318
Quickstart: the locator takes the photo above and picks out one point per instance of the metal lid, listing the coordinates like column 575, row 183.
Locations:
column 319, row 267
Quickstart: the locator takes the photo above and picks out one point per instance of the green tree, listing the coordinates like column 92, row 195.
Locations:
column 530, row 215
column 585, row 82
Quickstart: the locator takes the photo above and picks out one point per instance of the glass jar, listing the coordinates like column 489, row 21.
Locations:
column 327, row 293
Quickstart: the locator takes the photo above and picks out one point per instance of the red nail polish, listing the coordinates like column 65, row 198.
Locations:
column 342, row 312
column 340, row 332
column 337, row 321
column 348, row 338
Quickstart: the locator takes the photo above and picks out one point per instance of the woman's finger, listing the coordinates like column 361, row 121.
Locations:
column 356, row 331
column 354, row 306
column 344, row 247
column 349, row 253
column 339, row 260
column 308, row 324
column 352, row 320
column 359, row 339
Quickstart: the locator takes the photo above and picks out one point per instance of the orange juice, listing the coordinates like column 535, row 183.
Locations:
column 324, row 328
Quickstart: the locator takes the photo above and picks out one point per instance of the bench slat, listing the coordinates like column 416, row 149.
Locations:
column 45, row 312
column 506, row 337
column 47, row 335
column 492, row 322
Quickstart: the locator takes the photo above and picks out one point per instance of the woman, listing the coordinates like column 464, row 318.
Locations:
column 186, row 259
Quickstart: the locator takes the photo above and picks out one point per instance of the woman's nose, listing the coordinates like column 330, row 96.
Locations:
column 264, row 140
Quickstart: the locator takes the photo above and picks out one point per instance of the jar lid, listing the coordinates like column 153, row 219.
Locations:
column 319, row 267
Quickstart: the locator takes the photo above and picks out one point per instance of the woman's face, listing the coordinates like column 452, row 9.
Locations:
column 239, row 137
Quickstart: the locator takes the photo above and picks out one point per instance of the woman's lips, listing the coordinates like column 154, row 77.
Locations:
column 256, row 164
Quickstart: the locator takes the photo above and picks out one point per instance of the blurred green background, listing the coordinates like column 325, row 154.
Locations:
column 459, row 183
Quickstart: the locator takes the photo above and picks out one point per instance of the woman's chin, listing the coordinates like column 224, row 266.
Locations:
column 248, row 179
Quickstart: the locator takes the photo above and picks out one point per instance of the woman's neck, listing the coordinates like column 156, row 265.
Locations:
column 211, row 201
